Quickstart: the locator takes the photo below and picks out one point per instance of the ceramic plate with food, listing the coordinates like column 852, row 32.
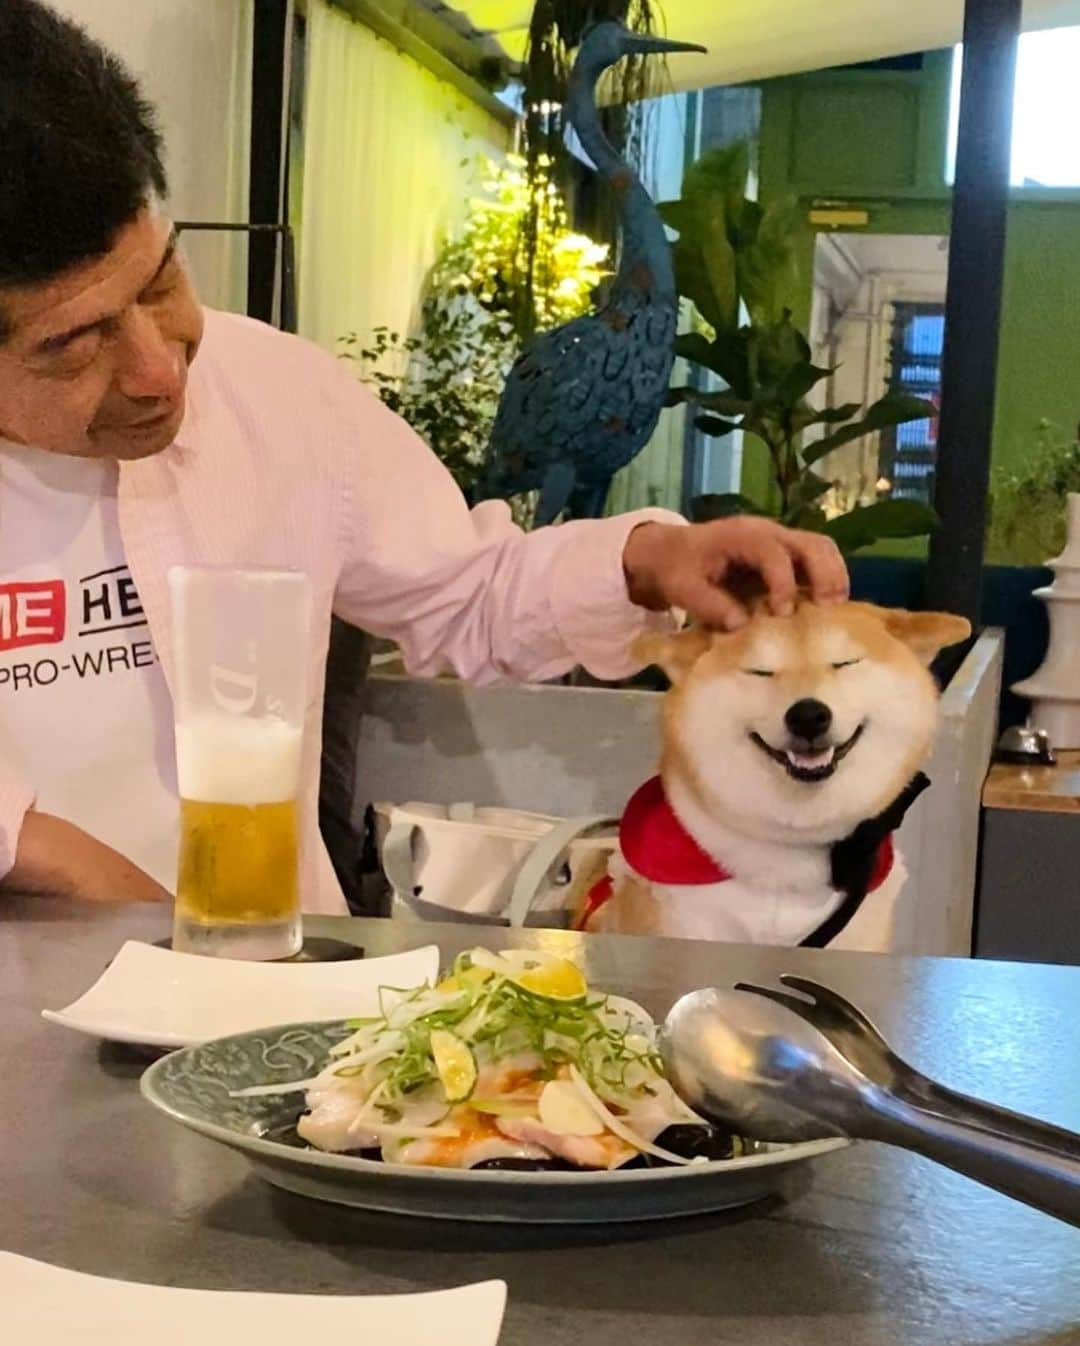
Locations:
column 507, row 1090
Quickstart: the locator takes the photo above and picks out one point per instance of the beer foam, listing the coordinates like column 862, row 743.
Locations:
column 238, row 761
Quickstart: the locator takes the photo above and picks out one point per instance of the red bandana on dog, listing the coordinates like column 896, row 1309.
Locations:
column 657, row 846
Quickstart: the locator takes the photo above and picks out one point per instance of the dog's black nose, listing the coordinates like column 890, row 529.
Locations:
column 808, row 719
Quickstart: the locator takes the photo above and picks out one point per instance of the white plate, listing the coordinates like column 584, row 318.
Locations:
column 52, row 1307
column 154, row 997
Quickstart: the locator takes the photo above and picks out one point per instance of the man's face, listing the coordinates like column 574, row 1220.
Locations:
column 95, row 362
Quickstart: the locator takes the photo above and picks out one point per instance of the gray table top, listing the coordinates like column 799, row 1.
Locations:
column 880, row 1248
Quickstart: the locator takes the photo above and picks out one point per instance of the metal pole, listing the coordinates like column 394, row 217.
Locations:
column 973, row 304
column 269, row 48
column 288, row 256
column 693, row 440
column 288, row 281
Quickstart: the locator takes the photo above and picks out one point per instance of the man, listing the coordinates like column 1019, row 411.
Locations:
column 138, row 432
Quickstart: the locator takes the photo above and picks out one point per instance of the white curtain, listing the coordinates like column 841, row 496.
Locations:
column 386, row 158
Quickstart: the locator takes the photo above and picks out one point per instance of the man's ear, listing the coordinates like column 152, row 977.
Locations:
column 925, row 633
column 675, row 653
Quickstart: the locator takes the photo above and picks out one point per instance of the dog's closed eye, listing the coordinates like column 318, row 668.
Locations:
column 847, row 663
column 759, row 672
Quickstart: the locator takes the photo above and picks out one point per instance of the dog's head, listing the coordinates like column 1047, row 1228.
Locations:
column 809, row 723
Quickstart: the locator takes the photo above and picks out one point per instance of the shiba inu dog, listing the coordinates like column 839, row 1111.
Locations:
column 791, row 750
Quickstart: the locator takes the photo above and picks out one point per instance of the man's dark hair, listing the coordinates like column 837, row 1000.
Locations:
column 80, row 150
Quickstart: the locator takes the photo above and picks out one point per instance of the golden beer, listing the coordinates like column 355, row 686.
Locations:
column 238, row 862
column 238, row 884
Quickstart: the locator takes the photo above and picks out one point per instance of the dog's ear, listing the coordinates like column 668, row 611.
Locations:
column 925, row 633
column 675, row 653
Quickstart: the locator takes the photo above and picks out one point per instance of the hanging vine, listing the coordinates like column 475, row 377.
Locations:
column 555, row 32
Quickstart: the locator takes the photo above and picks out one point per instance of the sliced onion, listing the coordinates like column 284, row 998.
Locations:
column 630, row 1015
column 619, row 1127
column 373, row 1074
column 511, row 963
column 357, row 1040
column 492, row 962
column 377, row 1051
column 472, row 1022
column 421, row 1111
column 364, row 1121
column 407, row 1012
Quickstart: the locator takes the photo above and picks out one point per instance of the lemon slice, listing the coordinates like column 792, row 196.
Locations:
column 554, row 979
column 455, row 1063
column 541, row 974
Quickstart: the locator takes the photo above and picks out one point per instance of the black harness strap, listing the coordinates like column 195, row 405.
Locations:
column 852, row 863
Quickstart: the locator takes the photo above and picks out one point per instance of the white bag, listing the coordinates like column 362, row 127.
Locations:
column 491, row 866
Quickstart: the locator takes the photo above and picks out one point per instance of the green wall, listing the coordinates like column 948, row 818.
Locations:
column 1039, row 356
column 876, row 139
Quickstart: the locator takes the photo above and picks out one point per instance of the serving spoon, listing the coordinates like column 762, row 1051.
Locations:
column 756, row 1061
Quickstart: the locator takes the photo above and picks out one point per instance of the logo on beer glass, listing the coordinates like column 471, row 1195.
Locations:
column 234, row 693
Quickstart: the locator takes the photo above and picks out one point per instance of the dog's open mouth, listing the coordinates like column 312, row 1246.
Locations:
column 810, row 764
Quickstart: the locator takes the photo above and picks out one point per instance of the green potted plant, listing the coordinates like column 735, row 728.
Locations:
column 734, row 260
column 1027, row 514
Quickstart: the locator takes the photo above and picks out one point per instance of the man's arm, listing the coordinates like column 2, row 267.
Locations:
column 468, row 591
column 54, row 858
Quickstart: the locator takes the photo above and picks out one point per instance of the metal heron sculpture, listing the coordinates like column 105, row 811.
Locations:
column 583, row 399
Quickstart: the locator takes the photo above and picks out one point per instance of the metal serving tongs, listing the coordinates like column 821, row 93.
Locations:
column 777, row 1067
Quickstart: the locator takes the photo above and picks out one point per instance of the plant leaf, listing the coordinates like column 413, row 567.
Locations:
column 886, row 518
column 704, row 508
column 695, row 347
column 828, row 415
column 808, row 488
column 893, row 409
column 708, row 219
column 808, row 517
column 677, row 215
column 727, row 355
column 782, row 348
column 695, row 282
column 768, row 270
column 798, row 381
column 717, row 182
column 713, row 425
column 725, row 403
column 719, row 258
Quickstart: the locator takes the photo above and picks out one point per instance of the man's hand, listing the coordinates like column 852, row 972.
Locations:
column 671, row 566
column 57, row 859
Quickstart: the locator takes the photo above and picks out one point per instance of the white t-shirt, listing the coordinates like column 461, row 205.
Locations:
column 84, row 707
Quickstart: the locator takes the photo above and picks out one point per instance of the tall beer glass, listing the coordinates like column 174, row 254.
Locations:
column 240, row 657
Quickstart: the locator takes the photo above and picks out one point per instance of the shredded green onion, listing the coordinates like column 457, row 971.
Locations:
column 501, row 1019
